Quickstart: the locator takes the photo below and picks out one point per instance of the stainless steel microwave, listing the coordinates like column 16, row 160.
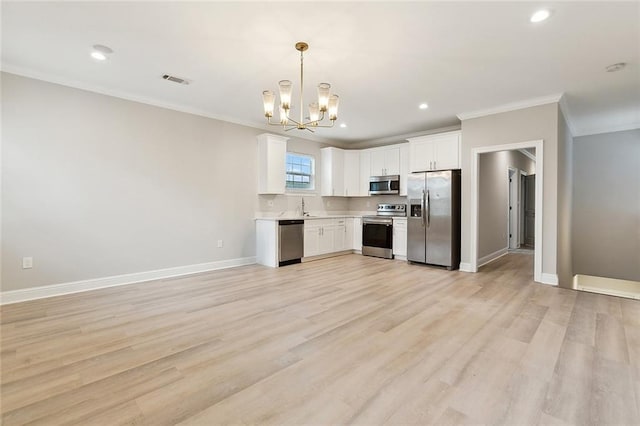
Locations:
column 382, row 185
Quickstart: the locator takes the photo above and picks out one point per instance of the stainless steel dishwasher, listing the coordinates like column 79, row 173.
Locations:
column 290, row 241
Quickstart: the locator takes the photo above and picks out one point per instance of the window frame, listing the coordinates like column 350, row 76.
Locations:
column 312, row 175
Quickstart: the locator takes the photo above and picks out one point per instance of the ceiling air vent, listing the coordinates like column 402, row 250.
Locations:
column 175, row 79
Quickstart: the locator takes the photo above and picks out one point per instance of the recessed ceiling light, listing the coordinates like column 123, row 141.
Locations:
column 540, row 15
column 423, row 106
column 616, row 67
column 100, row 52
column 98, row 56
column 343, row 125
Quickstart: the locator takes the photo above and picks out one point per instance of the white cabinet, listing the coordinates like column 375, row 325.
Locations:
column 352, row 173
column 434, row 152
column 267, row 242
column 324, row 236
column 385, row 161
column 348, row 241
column 332, row 172
column 400, row 237
column 311, row 238
column 365, row 172
column 340, row 235
column 340, row 172
column 404, row 168
column 357, row 234
column 272, row 155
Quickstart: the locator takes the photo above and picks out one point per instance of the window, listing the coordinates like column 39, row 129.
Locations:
column 300, row 171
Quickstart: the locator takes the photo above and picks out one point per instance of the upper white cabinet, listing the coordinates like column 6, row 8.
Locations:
column 352, row 173
column 404, row 168
column 340, row 172
column 434, row 152
column 272, row 155
column 365, row 172
column 333, row 172
column 385, row 161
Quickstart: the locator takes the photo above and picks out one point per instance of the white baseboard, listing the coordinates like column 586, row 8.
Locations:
column 15, row 296
column 466, row 267
column 551, row 279
column 493, row 256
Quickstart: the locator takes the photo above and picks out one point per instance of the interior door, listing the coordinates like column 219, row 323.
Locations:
column 529, row 198
column 438, row 218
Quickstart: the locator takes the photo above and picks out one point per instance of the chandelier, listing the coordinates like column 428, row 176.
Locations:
column 327, row 103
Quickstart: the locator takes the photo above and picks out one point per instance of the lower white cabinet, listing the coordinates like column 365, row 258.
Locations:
column 357, row 234
column 324, row 236
column 400, row 237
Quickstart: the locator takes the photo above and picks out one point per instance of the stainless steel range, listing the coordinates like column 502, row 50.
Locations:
column 377, row 231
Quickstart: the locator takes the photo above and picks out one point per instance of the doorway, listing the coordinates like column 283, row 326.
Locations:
column 538, row 202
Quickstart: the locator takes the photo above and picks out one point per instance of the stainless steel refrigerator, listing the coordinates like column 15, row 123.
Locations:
column 433, row 220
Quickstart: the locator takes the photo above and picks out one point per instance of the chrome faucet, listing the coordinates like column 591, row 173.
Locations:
column 303, row 212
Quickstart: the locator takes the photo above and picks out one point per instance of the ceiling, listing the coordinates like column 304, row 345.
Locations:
column 382, row 58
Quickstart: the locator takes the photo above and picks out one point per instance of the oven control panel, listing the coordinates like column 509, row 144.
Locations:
column 392, row 210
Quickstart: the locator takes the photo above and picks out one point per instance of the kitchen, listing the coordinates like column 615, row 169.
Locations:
column 379, row 178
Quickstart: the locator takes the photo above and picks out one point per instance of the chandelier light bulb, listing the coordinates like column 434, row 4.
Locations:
column 284, row 119
column 268, row 98
column 314, row 112
column 323, row 96
column 285, row 94
column 333, row 107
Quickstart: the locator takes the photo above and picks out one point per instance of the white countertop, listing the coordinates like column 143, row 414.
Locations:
column 311, row 217
column 293, row 216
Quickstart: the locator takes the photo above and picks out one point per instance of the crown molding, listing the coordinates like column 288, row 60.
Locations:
column 36, row 75
column 514, row 106
column 527, row 154
column 608, row 129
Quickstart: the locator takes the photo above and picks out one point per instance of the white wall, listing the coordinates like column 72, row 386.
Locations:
column 535, row 123
column 565, row 203
column 606, row 205
column 96, row 186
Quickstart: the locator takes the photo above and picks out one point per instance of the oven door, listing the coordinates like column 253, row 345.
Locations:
column 377, row 238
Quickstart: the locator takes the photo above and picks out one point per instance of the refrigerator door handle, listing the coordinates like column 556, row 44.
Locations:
column 427, row 212
column 422, row 206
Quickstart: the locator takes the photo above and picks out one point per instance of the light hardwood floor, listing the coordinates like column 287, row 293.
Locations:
column 347, row 340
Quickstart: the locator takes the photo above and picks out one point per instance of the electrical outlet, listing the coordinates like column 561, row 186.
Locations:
column 27, row 262
column 220, row 243
column 328, row 203
column 270, row 203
